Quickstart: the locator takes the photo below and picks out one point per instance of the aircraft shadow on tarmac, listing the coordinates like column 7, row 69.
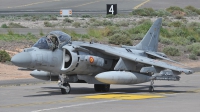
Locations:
column 136, row 89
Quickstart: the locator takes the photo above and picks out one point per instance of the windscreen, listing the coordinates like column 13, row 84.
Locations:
column 62, row 37
column 41, row 43
column 54, row 40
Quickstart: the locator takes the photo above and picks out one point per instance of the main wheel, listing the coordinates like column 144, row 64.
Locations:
column 97, row 87
column 67, row 88
column 101, row 87
column 105, row 87
column 151, row 89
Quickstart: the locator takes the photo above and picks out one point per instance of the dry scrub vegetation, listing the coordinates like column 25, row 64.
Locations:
column 179, row 36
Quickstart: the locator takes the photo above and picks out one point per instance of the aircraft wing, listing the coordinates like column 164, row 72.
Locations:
column 161, row 57
column 136, row 58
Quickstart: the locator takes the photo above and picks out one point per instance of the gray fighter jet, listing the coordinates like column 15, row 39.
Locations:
column 55, row 57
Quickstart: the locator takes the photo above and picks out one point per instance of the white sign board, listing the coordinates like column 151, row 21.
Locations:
column 66, row 12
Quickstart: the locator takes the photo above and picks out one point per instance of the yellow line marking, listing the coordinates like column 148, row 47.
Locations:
column 85, row 4
column 136, row 7
column 36, row 3
column 123, row 96
column 194, row 91
column 26, row 5
column 166, row 93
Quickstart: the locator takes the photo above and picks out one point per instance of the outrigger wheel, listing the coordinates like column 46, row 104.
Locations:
column 151, row 88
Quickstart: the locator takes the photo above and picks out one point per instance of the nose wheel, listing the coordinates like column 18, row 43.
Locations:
column 151, row 87
column 65, row 89
column 64, row 85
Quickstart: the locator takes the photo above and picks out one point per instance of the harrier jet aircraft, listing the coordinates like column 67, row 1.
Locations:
column 55, row 57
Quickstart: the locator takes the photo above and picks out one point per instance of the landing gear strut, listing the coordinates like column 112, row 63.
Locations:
column 63, row 84
column 151, row 87
column 101, row 87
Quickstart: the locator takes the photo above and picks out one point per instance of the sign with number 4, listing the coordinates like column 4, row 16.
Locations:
column 112, row 9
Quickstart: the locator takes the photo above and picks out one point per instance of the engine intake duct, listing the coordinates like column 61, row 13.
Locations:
column 67, row 58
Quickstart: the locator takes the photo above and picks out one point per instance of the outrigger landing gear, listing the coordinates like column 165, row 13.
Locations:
column 101, row 87
column 63, row 84
column 151, row 87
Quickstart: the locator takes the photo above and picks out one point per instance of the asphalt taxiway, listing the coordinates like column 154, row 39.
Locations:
column 54, row 6
column 170, row 96
column 86, row 6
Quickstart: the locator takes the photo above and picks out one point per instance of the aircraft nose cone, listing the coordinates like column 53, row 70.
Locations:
column 22, row 59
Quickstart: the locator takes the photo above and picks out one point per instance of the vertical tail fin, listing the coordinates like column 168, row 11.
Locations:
column 150, row 40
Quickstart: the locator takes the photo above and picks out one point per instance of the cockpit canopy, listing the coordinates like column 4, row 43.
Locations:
column 54, row 40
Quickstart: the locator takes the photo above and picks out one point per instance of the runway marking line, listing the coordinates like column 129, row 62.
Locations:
column 41, row 103
column 76, row 105
column 112, row 97
column 123, row 96
column 166, row 93
column 194, row 91
column 141, row 4
column 34, row 3
column 85, row 4
column 28, row 84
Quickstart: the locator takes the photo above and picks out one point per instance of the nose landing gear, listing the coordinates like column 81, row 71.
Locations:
column 63, row 84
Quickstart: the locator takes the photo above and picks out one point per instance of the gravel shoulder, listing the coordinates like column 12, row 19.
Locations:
column 11, row 72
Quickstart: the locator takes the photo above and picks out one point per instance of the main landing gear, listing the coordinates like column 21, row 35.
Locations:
column 65, row 87
column 101, row 87
column 151, row 87
column 63, row 84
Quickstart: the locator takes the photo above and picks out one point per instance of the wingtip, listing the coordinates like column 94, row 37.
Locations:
column 189, row 72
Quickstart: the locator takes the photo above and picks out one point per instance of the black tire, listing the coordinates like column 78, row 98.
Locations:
column 101, row 87
column 64, row 91
column 105, row 87
column 151, row 89
column 97, row 87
